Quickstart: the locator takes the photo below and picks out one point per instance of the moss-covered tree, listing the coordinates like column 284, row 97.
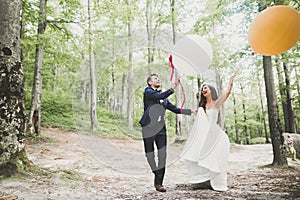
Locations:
column 12, row 115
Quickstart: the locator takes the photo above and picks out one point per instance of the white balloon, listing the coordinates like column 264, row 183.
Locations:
column 192, row 55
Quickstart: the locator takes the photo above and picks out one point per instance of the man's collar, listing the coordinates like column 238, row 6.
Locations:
column 156, row 89
column 153, row 88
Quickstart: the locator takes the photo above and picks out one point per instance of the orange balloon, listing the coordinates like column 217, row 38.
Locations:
column 274, row 30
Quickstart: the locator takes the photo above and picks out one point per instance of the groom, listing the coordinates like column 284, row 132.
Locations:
column 153, row 126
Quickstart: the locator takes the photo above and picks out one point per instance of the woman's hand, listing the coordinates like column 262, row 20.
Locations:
column 233, row 76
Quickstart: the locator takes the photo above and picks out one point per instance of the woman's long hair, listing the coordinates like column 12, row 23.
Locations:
column 203, row 100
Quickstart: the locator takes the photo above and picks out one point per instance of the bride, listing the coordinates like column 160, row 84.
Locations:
column 206, row 151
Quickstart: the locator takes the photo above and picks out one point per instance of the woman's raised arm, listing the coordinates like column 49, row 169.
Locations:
column 224, row 97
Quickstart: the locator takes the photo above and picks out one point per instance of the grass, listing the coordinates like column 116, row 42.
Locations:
column 68, row 174
column 34, row 138
column 108, row 124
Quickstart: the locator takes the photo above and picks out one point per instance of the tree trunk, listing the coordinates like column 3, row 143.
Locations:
column 12, row 94
column 284, row 85
column 177, row 90
column 93, row 91
column 92, row 74
column 130, row 74
column 113, row 98
column 245, row 116
column 152, row 30
column 36, row 101
column 263, row 110
column 124, row 97
column 237, row 138
column 172, row 2
column 245, row 123
column 298, row 83
column 84, row 83
column 273, row 113
column 149, row 31
column 281, row 91
column 112, row 94
column 291, row 123
column 298, row 94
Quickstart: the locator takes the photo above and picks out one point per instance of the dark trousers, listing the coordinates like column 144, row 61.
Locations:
column 160, row 140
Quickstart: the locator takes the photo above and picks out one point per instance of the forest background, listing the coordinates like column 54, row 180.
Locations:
column 122, row 42
column 72, row 75
column 86, row 63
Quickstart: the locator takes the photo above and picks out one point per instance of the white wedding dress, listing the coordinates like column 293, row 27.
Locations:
column 206, row 151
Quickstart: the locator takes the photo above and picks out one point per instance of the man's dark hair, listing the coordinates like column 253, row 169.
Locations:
column 150, row 78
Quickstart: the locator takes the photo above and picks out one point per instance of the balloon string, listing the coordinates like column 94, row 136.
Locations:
column 173, row 81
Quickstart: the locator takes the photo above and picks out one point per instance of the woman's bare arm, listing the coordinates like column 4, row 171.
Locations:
column 224, row 97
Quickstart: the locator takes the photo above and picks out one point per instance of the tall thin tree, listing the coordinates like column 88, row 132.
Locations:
column 262, row 109
column 290, row 115
column 153, row 22
column 124, row 95
column 247, row 136
column 237, row 137
column 149, row 29
column 130, row 70
column 93, row 83
column 177, row 90
column 36, row 99
column 282, row 93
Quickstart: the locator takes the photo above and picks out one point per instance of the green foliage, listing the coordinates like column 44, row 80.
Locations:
column 109, row 124
column 34, row 138
column 112, row 125
column 57, row 110
column 258, row 140
column 68, row 174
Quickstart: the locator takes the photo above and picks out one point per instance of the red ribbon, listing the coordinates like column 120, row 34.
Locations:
column 173, row 69
column 173, row 81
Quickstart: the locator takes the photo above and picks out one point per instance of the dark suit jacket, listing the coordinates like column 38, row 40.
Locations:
column 153, row 97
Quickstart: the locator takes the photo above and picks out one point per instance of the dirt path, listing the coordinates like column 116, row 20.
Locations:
column 91, row 167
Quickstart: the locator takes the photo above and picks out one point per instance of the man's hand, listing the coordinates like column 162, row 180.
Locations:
column 177, row 82
column 194, row 111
